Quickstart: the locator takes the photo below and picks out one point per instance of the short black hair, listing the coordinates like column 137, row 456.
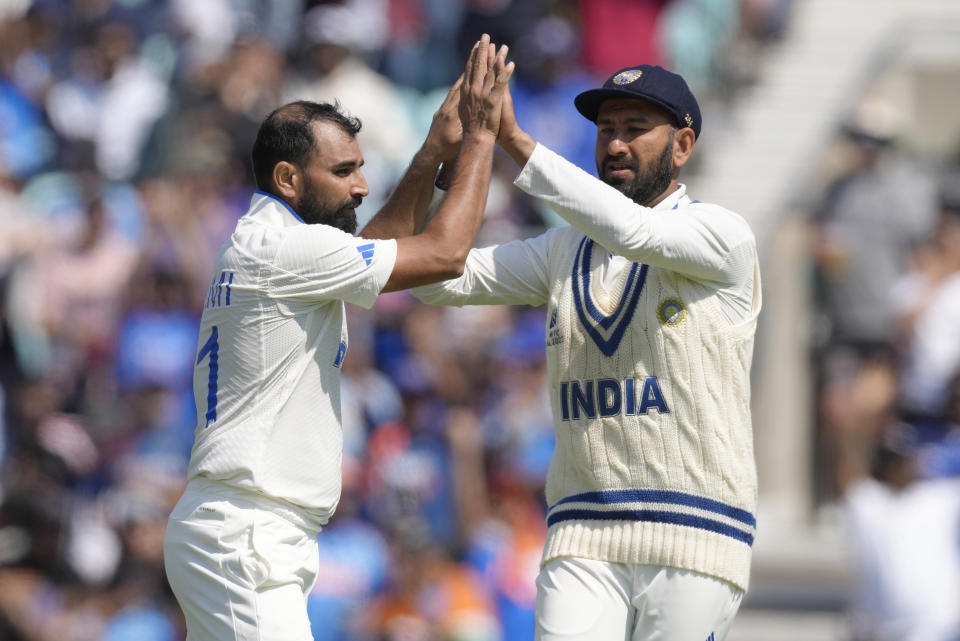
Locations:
column 286, row 135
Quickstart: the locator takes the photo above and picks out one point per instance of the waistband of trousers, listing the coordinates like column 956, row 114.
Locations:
column 219, row 490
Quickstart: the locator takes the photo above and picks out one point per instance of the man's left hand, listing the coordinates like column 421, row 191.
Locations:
column 446, row 131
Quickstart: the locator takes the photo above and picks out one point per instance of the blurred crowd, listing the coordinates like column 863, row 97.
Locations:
column 125, row 129
column 886, row 249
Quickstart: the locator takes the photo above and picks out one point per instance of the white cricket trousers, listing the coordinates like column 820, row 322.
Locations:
column 585, row 600
column 240, row 572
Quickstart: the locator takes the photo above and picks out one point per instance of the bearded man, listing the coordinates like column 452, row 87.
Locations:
column 265, row 472
column 652, row 303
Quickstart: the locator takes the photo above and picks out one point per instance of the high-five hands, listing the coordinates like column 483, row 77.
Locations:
column 518, row 144
column 446, row 132
column 484, row 83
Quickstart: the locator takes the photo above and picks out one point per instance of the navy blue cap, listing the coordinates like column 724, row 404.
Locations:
column 652, row 83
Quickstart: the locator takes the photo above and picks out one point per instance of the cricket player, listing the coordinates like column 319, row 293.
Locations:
column 652, row 301
column 264, row 475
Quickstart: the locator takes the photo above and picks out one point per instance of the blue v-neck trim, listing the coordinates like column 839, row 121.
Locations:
column 590, row 316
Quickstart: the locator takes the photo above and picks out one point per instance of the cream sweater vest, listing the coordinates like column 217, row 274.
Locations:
column 649, row 382
column 650, row 387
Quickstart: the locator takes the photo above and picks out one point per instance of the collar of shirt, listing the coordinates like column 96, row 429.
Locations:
column 273, row 210
column 675, row 199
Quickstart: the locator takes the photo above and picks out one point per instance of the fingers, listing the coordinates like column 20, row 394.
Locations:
column 508, row 121
column 507, row 97
column 484, row 82
column 477, row 65
column 455, row 89
column 503, row 71
column 468, row 70
column 497, row 64
column 453, row 96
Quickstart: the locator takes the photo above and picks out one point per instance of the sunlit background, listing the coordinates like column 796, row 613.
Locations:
column 833, row 126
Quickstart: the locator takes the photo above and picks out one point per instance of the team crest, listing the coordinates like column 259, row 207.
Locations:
column 671, row 312
column 626, row 77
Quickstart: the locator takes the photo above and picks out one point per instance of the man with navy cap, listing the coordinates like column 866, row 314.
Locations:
column 652, row 303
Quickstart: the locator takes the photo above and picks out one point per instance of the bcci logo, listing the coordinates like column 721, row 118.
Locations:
column 626, row 77
column 671, row 312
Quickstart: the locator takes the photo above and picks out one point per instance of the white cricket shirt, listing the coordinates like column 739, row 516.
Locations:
column 272, row 340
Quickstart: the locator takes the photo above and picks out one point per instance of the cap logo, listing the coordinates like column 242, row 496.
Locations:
column 626, row 77
column 688, row 120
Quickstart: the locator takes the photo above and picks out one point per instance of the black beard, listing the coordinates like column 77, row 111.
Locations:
column 313, row 211
column 344, row 219
column 648, row 185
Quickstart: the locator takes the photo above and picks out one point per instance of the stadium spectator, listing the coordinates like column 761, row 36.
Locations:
column 927, row 304
column 882, row 200
column 903, row 529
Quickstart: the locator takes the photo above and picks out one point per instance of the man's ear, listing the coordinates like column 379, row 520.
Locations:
column 683, row 142
column 287, row 180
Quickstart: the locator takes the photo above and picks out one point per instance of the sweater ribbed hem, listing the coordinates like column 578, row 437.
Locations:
column 649, row 543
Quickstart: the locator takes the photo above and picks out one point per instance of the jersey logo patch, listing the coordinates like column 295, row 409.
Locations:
column 606, row 330
column 671, row 312
column 367, row 252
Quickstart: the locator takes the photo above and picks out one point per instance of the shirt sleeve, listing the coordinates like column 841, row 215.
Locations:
column 319, row 262
column 702, row 241
column 515, row 273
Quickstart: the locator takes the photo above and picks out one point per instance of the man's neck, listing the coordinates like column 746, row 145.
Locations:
column 674, row 185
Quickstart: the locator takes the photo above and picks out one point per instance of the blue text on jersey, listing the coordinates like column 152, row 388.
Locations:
column 341, row 354
column 212, row 349
column 215, row 296
column 610, row 397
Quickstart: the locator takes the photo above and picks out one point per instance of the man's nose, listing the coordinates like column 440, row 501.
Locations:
column 360, row 187
column 616, row 146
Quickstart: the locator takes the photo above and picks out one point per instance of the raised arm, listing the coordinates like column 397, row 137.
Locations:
column 439, row 252
column 405, row 212
column 701, row 241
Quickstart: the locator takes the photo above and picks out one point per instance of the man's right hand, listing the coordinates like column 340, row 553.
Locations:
column 512, row 139
column 509, row 129
column 481, row 94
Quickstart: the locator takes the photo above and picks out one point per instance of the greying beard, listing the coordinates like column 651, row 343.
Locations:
column 647, row 186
